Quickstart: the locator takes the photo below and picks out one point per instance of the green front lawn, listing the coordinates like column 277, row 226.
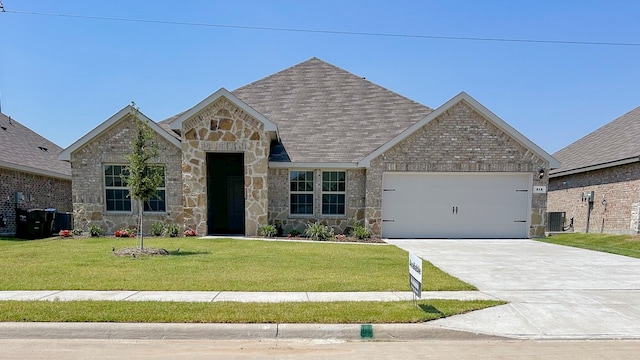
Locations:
column 210, row 264
column 228, row 312
column 627, row 245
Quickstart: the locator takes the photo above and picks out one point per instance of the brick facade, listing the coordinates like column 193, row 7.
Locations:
column 40, row 192
column 111, row 147
column 279, row 201
column 459, row 140
column 616, row 207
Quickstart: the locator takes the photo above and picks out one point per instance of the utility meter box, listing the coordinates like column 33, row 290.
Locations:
column 590, row 196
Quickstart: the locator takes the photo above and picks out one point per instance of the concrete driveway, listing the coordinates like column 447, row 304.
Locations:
column 553, row 291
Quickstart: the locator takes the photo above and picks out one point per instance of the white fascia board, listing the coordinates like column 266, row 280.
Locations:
column 66, row 153
column 32, row 170
column 594, row 167
column 304, row 165
column 269, row 125
column 463, row 96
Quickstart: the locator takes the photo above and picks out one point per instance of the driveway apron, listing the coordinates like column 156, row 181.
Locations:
column 553, row 291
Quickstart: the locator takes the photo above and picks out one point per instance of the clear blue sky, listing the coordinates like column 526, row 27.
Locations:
column 63, row 76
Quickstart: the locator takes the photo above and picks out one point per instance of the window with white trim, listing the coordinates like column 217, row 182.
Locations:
column 333, row 192
column 301, row 192
column 117, row 193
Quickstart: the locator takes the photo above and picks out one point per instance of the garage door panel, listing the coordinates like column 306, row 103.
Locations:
column 453, row 205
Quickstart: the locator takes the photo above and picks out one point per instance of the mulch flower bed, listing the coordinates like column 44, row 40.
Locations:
column 133, row 252
column 337, row 238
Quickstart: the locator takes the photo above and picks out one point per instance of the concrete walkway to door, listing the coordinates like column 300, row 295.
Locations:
column 553, row 291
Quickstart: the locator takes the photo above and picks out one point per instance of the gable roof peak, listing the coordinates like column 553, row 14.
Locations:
column 478, row 107
column 176, row 124
column 66, row 153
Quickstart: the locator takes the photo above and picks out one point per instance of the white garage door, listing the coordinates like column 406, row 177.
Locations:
column 455, row 205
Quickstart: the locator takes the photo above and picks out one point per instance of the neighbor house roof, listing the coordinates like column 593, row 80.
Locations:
column 327, row 115
column 616, row 143
column 24, row 150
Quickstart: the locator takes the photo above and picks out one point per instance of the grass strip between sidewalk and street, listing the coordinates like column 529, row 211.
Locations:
column 230, row 312
column 627, row 245
column 200, row 264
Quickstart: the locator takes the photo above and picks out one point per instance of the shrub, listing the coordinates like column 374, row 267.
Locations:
column 157, row 228
column 318, row 231
column 190, row 232
column 172, row 230
column 268, row 230
column 95, row 230
column 358, row 231
column 294, row 233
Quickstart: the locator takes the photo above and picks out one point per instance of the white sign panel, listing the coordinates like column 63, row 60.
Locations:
column 539, row 189
column 415, row 274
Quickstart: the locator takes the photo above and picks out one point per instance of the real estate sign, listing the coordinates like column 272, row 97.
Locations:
column 415, row 274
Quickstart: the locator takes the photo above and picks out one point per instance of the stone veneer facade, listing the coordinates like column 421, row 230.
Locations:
column 459, row 140
column 110, row 148
column 224, row 127
column 40, row 192
column 618, row 186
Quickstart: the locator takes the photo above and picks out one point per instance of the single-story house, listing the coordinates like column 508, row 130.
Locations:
column 31, row 175
column 598, row 184
column 315, row 143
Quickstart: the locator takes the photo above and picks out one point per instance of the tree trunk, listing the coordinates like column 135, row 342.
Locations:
column 140, row 230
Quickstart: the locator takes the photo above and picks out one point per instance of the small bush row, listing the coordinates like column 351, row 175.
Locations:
column 318, row 231
column 158, row 228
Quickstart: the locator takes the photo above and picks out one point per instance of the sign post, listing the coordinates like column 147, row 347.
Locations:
column 415, row 275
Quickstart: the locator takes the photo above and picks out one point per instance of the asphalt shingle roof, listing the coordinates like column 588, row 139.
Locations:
column 326, row 114
column 22, row 148
column 617, row 140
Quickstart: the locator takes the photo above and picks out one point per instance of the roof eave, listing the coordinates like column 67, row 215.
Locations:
column 312, row 165
column 594, row 167
column 36, row 171
column 477, row 106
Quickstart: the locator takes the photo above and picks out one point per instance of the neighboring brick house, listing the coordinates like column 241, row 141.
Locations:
column 316, row 143
column 30, row 166
column 607, row 163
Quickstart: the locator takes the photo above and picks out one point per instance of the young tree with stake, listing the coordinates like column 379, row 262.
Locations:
column 144, row 177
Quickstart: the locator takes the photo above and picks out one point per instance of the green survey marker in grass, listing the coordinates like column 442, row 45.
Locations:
column 210, row 265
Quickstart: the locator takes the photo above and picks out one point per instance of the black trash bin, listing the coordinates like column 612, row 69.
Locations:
column 49, row 221
column 34, row 223
column 22, row 219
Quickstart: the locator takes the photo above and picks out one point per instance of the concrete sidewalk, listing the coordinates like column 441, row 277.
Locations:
column 233, row 296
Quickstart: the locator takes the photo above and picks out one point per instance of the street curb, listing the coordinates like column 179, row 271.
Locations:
column 173, row 331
